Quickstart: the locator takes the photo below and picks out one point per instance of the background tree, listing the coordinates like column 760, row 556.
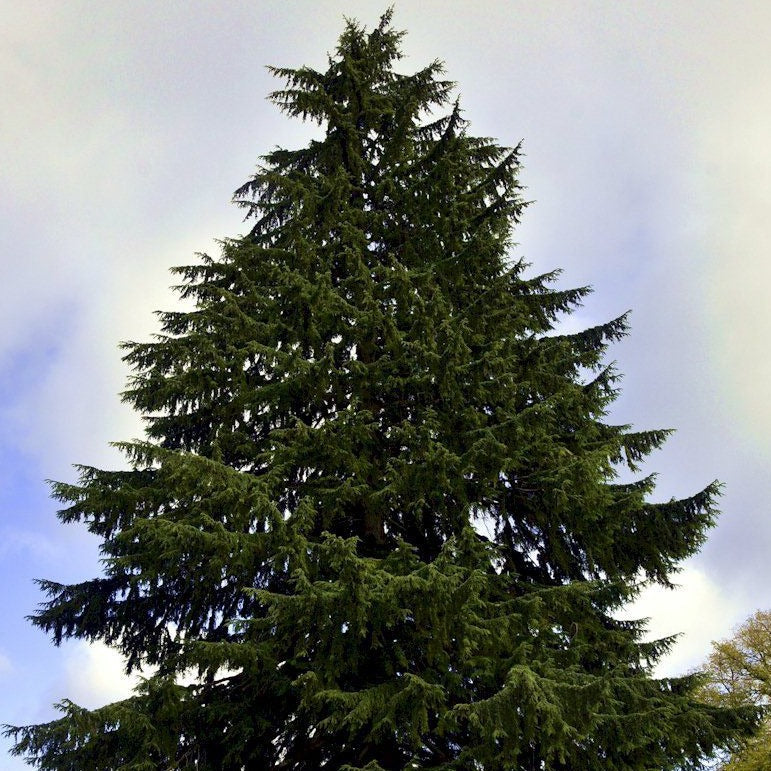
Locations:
column 376, row 512
column 739, row 674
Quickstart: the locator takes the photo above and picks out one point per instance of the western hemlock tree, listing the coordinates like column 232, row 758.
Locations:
column 376, row 510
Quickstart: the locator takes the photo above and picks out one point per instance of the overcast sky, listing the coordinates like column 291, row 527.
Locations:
column 127, row 125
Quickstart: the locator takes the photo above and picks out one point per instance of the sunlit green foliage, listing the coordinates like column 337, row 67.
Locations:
column 739, row 674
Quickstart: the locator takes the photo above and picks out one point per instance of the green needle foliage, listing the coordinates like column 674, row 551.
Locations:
column 376, row 512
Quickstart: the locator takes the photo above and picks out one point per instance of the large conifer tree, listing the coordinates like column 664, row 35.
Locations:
column 376, row 510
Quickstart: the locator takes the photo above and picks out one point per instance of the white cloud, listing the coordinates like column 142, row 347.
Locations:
column 698, row 610
column 94, row 675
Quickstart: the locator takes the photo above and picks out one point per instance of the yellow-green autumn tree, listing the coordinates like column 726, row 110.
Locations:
column 739, row 672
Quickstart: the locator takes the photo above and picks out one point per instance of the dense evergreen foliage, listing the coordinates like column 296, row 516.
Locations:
column 377, row 509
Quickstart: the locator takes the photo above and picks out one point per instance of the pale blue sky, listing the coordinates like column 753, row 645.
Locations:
column 127, row 125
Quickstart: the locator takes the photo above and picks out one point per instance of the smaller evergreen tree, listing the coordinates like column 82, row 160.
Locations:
column 367, row 383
